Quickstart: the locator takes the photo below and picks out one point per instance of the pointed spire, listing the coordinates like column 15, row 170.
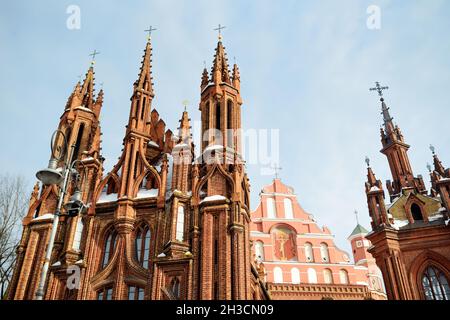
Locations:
column 387, row 119
column 87, row 89
column 437, row 163
column 370, row 175
column 220, row 72
column 184, row 131
column 205, row 78
column 144, row 81
column 236, row 76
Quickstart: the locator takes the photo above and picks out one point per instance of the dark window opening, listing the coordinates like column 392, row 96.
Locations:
column 435, row 284
column 416, row 212
column 78, row 142
column 109, row 246
column 142, row 244
column 218, row 116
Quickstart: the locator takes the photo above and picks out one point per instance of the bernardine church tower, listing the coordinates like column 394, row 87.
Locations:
column 410, row 230
column 164, row 223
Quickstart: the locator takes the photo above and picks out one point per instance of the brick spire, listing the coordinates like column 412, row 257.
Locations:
column 205, row 79
column 144, row 81
column 87, row 89
column 220, row 72
column 184, row 131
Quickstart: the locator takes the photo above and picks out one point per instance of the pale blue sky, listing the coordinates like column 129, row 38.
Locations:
column 306, row 67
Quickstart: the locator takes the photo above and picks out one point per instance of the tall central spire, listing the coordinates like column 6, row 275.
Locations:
column 395, row 149
column 144, row 82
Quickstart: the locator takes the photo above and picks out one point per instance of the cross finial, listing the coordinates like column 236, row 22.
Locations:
column 432, row 148
column 379, row 89
column 277, row 169
column 429, row 167
column 93, row 54
column 101, row 86
column 149, row 30
column 356, row 215
column 219, row 28
column 185, row 103
column 79, row 78
column 367, row 161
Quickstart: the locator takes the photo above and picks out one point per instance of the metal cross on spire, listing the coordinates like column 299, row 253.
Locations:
column 149, row 30
column 219, row 28
column 277, row 171
column 93, row 54
column 367, row 161
column 379, row 89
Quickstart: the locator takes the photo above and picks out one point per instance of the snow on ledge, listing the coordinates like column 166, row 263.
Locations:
column 46, row 216
column 213, row 198
column 107, row 197
column 147, row 193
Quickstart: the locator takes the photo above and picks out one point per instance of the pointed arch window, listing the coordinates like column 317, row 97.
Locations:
column 218, row 116
column 327, row 276
column 271, row 209
column 309, row 252
column 277, row 275
column 142, row 244
column 109, row 247
column 175, row 287
column 416, row 212
column 324, row 252
column 288, row 212
column 435, row 284
column 230, row 127
column 78, row 141
column 78, row 233
column 295, row 276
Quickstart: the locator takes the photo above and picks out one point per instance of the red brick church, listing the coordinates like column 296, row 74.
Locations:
column 301, row 260
column 410, row 229
column 164, row 223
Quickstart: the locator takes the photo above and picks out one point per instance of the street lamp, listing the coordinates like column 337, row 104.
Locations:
column 53, row 175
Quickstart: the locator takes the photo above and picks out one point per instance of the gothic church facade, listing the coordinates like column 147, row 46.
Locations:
column 164, row 223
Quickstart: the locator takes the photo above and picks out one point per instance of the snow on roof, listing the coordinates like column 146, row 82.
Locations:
column 147, row 193
column 399, row 223
column 56, row 264
column 213, row 198
column 436, row 217
column 46, row 216
column 153, row 143
column 213, row 147
column 83, row 108
column 107, row 197
column 374, row 188
column 181, row 146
